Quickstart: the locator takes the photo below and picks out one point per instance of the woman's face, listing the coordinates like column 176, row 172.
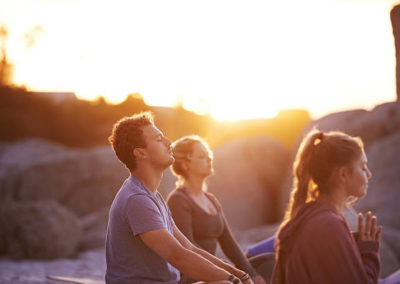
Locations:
column 200, row 162
column 357, row 181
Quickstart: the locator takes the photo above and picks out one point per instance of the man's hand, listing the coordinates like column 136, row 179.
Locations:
column 369, row 231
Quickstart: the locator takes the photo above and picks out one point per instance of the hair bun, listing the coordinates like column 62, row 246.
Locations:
column 318, row 138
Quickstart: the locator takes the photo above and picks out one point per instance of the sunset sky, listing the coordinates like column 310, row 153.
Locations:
column 232, row 59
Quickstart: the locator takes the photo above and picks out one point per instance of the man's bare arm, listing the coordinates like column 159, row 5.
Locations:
column 187, row 244
column 181, row 257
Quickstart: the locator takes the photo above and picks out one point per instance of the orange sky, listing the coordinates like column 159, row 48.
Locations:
column 233, row 59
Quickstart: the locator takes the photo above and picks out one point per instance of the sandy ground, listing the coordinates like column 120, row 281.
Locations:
column 90, row 265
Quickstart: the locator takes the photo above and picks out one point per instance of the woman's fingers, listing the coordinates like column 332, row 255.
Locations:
column 373, row 227
column 379, row 233
column 367, row 231
column 360, row 227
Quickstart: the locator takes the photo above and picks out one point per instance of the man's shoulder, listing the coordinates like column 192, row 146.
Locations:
column 132, row 187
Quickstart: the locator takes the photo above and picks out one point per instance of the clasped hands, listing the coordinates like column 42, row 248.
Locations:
column 368, row 231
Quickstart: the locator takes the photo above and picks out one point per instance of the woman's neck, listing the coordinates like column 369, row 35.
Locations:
column 195, row 185
column 337, row 199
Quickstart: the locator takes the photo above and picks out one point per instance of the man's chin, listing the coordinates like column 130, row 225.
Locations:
column 170, row 161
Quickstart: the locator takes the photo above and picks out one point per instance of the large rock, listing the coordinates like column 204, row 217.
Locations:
column 248, row 178
column 38, row 229
column 82, row 180
column 383, row 196
column 94, row 226
column 168, row 183
column 372, row 125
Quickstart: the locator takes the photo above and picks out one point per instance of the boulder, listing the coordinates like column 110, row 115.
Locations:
column 82, row 180
column 371, row 126
column 248, row 178
column 383, row 197
column 168, row 183
column 38, row 229
column 94, row 227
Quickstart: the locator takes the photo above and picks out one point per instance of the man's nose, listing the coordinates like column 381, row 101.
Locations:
column 167, row 141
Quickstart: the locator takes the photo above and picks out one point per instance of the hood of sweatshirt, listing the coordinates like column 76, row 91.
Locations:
column 288, row 235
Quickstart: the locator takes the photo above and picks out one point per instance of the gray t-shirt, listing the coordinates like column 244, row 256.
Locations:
column 136, row 210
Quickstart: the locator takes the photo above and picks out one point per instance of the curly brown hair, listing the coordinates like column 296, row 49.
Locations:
column 127, row 134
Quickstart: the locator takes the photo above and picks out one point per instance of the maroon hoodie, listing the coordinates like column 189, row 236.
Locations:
column 318, row 247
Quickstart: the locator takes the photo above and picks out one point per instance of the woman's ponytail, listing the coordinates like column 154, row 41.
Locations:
column 302, row 180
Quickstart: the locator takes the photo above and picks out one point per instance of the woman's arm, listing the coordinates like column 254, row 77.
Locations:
column 232, row 250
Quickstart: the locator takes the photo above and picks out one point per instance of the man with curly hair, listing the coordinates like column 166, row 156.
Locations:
column 143, row 244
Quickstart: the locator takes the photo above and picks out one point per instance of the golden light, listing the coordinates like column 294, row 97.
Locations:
column 232, row 59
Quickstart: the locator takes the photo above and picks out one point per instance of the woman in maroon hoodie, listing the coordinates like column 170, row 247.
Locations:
column 314, row 243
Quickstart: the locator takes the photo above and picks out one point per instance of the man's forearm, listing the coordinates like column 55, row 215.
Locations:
column 215, row 260
column 197, row 266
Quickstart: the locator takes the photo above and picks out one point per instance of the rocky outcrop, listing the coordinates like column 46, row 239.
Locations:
column 94, row 227
column 83, row 181
column 248, row 178
column 38, row 229
column 383, row 120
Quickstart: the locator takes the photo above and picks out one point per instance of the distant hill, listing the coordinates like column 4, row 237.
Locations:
column 80, row 123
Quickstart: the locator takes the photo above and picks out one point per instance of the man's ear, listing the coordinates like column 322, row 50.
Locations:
column 139, row 153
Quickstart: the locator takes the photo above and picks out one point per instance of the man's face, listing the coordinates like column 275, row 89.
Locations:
column 158, row 147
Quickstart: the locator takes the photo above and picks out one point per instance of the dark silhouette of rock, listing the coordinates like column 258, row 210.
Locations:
column 395, row 19
column 38, row 229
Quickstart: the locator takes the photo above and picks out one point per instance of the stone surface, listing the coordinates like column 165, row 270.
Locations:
column 90, row 265
column 248, row 179
column 38, row 229
column 82, row 180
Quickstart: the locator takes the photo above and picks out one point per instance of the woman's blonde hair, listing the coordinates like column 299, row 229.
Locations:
column 182, row 149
